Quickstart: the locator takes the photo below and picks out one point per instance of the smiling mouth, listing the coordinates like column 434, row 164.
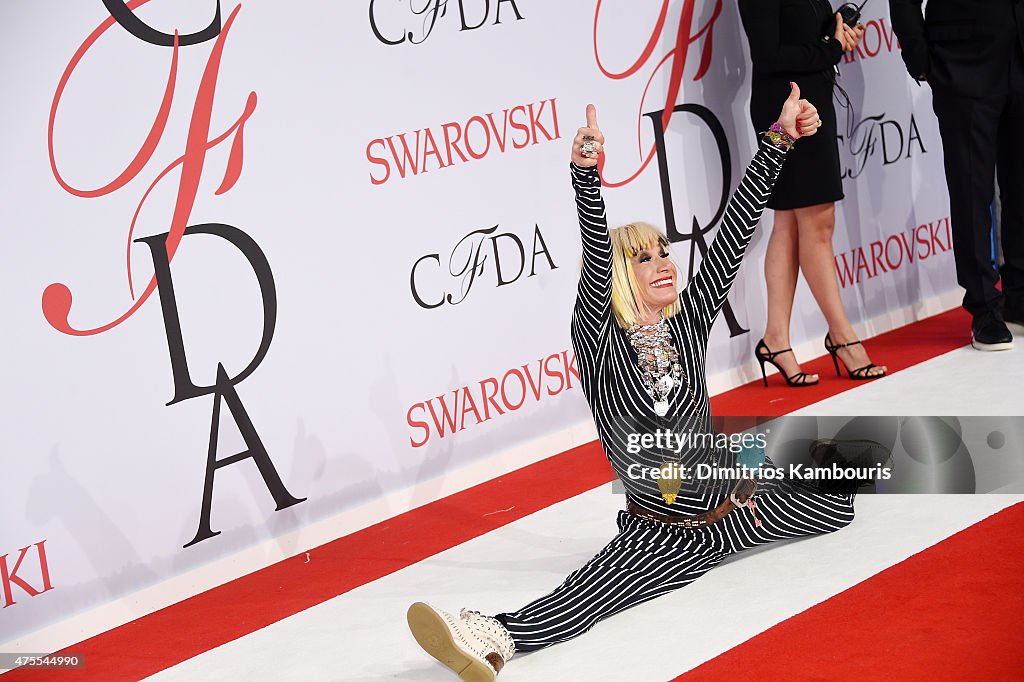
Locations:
column 662, row 283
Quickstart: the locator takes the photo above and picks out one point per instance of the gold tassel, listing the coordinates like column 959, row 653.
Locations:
column 669, row 482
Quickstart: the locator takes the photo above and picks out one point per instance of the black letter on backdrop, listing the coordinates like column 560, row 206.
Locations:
column 697, row 236
column 378, row 34
column 143, row 31
column 255, row 450
column 184, row 387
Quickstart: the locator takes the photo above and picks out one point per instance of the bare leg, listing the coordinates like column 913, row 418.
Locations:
column 781, row 266
column 815, row 226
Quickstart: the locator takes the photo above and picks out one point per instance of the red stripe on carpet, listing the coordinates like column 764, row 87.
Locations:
column 207, row 620
column 186, row 629
column 897, row 350
column 950, row 612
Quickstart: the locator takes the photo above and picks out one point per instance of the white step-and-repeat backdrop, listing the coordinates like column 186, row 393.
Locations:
column 264, row 262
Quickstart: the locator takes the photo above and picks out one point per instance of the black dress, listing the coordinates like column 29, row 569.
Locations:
column 785, row 38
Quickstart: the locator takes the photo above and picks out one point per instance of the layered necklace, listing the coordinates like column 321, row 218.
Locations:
column 658, row 361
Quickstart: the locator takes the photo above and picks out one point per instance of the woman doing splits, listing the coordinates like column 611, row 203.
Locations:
column 640, row 346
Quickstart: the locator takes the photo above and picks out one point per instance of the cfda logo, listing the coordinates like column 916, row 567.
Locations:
column 393, row 24
column 878, row 136
column 433, row 284
column 200, row 139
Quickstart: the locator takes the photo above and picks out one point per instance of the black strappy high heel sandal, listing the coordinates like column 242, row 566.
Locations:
column 797, row 380
column 859, row 374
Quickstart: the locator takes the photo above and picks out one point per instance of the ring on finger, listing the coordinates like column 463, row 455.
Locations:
column 588, row 147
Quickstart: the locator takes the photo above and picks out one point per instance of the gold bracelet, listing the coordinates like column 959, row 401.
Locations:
column 779, row 138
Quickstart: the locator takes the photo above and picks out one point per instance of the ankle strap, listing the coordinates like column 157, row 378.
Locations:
column 837, row 346
column 770, row 354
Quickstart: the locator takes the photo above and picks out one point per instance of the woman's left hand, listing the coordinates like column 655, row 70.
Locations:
column 799, row 118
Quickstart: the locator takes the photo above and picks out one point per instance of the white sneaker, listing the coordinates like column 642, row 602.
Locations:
column 473, row 645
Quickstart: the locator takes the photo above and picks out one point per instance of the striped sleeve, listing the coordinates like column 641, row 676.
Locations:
column 706, row 293
column 593, row 301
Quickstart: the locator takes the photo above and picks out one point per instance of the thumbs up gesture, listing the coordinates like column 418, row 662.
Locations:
column 799, row 117
column 589, row 142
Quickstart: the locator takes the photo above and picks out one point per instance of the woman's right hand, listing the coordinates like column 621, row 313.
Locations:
column 848, row 37
column 799, row 118
column 591, row 133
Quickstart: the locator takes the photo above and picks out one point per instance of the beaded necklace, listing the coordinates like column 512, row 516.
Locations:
column 658, row 362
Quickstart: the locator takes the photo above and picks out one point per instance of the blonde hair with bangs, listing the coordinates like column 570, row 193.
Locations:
column 628, row 241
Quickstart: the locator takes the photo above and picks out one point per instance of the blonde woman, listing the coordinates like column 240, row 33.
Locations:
column 640, row 345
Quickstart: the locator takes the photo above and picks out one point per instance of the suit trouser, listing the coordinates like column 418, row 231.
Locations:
column 980, row 135
column 648, row 559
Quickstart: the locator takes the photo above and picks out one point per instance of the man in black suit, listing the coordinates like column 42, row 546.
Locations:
column 971, row 53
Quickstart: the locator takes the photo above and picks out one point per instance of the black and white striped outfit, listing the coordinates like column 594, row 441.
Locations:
column 648, row 558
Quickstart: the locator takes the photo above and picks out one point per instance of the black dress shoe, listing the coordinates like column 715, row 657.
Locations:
column 989, row 332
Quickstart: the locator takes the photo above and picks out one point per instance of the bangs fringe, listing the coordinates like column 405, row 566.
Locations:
column 635, row 237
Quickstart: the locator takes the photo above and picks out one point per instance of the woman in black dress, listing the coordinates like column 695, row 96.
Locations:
column 802, row 41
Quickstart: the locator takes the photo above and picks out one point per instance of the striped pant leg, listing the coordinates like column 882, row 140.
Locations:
column 784, row 516
column 639, row 564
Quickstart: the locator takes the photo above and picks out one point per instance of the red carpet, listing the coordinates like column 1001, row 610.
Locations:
column 898, row 349
column 959, row 619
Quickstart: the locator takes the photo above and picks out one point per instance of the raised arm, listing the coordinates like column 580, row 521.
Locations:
column 706, row 292
column 908, row 24
column 761, row 21
column 592, row 313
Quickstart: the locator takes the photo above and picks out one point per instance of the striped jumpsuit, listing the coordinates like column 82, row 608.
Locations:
column 648, row 558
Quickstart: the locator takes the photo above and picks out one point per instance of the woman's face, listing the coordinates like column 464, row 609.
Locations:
column 655, row 275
